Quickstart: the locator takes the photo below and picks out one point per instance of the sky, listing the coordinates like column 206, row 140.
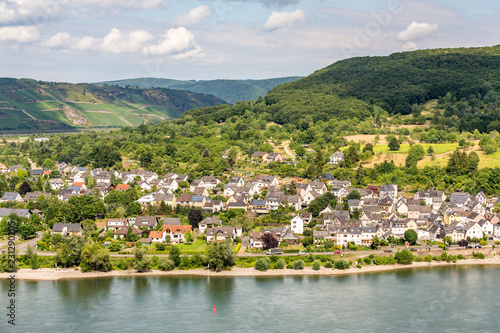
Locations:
column 98, row 40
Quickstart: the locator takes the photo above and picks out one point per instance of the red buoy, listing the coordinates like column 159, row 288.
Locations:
column 214, row 308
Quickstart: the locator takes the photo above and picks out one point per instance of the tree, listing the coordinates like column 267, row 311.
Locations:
column 448, row 240
column 351, row 158
column 404, row 257
column 32, row 258
column 269, row 241
column 430, row 151
column 188, row 236
column 245, row 222
column 95, row 258
column 354, row 195
column 463, row 243
column 458, row 163
column 220, row 256
column 195, row 216
column 166, row 264
column 300, row 151
column 26, row 230
column 142, row 262
column 175, row 255
column 131, row 235
column 298, row 264
column 134, row 209
column 393, row 144
column 411, row 236
column 263, row 264
column 375, row 243
column 341, row 264
column 24, row 188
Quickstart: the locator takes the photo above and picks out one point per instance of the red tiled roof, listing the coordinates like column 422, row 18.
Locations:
column 123, row 187
column 155, row 234
column 177, row 228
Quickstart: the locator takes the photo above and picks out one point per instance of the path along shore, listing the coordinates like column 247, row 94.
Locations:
column 51, row 274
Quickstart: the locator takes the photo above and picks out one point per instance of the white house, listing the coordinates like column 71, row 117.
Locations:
column 336, row 157
column 297, row 224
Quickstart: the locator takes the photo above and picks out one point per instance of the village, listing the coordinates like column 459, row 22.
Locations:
column 356, row 217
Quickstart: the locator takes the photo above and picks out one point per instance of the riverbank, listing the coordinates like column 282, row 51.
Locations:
column 49, row 274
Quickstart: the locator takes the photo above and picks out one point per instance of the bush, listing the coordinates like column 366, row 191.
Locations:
column 428, row 258
column 280, row 264
column 478, row 255
column 289, row 266
column 328, row 264
column 385, row 260
column 358, row 266
column 341, row 264
column 165, row 264
column 460, row 257
column 316, row 265
column 367, row 261
column 262, row 264
column 483, row 243
column 160, row 246
column 404, row 257
column 291, row 251
column 298, row 264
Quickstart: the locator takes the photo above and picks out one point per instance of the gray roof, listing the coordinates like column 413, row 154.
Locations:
column 71, row 227
column 171, row 221
column 18, row 212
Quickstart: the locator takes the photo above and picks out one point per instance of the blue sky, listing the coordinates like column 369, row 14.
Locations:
column 97, row 40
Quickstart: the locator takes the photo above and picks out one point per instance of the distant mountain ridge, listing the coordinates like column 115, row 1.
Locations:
column 27, row 104
column 231, row 91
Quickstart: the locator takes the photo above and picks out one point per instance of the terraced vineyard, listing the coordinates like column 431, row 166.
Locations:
column 34, row 105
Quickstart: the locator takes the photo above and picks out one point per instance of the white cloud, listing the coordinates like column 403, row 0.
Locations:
column 280, row 20
column 87, row 43
column 117, row 4
column 116, row 42
column 175, row 42
column 417, row 30
column 409, row 46
column 59, row 39
column 194, row 16
column 20, row 34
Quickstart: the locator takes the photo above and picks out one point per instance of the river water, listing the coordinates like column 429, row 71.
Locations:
column 439, row 299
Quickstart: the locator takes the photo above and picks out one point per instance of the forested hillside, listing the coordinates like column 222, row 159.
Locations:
column 231, row 91
column 466, row 82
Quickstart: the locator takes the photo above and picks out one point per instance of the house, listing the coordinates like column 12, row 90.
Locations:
column 237, row 205
column 33, row 196
column 56, row 183
column 259, row 206
column 200, row 191
column 260, row 155
column 122, row 232
column 67, row 229
column 306, row 217
column 481, row 198
column 169, row 199
column 223, row 233
column 209, row 222
column 328, row 178
column 274, row 157
column 114, row 224
column 389, row 190
column 213, row 206
column 320, row 236
column 336, row 158
column 11, row 197
column 460, row 199
column 176, row 233
column 19, row 212
column 171, row 221
column 210, row 182
column 297, row 225
column 146, row 221
column 473, row 230
column 256, row 240
column 123, row 187
column 236, row 181
column 156, row 236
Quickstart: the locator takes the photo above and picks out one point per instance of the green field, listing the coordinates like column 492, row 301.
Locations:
column 197, row 245
column 104, row 119
column 439, row 148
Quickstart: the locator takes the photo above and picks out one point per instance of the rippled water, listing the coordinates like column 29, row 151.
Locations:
column 445, row 299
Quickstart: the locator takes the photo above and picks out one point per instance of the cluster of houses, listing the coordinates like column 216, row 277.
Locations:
column 381, row 211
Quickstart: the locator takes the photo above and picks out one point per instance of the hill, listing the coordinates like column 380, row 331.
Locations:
column 231, row 91
column 364, row 87
column 27, row 104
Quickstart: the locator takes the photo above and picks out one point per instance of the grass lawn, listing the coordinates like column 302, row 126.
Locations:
column 197, row 245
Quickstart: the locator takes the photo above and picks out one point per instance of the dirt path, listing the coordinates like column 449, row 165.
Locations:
column 286, row 147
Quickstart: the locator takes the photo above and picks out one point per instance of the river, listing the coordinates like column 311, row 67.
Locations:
column 438, row 299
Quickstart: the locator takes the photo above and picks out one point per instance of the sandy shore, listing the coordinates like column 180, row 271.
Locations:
column 48, row 274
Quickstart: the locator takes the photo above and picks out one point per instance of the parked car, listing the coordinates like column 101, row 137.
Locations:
column 478, row 246
column 413, row 249
column 302, row 253
column 388, row 250
column 469, row 246
column 337, row 252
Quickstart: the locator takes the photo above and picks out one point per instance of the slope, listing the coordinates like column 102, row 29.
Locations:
column 231, row 91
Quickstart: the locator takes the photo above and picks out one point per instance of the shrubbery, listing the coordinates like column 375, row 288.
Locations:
column 316, row 265
column 385, row 260
column 341, row 264
column 478, row 255
column 263, row 264
column 166, row 264
column 280, row 264
column 298, row 264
